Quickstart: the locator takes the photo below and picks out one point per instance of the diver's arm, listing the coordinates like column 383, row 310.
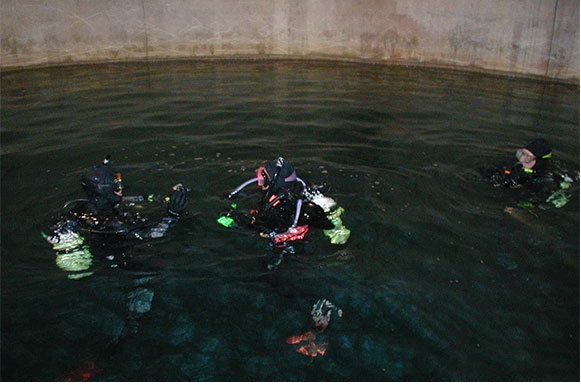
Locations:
column 157, row 231
column 176, row 206
column 297, row 213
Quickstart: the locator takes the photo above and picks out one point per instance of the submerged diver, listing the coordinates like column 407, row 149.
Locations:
column 104, row 220
column 543, row 179
column 287, row 210
column 321, row 316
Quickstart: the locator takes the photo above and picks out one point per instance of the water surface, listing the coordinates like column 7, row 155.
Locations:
column 439, row 284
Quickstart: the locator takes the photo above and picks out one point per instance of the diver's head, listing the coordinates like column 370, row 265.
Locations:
column 277, row 174
column 537, row 149
column 103, row 187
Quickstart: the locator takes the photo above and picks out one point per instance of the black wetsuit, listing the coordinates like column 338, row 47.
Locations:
column 287, row 210
column 276, row 214
column 85, row 218
column 103, row 220
column 85, row 241
column 283, row 217
column 538, row 185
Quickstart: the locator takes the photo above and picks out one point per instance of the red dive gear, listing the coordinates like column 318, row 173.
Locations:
column 293, row 234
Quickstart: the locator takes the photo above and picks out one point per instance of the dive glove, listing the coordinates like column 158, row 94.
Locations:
column 178, row 201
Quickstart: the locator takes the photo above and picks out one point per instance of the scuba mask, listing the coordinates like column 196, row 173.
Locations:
column 102, row 185
column 537, row 149
column 276, row 175
column 526, row 158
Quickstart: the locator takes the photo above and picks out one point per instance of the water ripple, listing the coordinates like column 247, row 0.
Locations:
column 437, row 283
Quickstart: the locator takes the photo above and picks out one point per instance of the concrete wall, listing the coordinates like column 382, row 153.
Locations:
column 532, row 37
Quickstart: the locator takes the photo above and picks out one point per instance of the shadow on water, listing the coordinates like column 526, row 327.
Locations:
column 438, row 282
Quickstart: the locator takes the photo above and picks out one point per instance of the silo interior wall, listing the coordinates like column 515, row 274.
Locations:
column 529, row 37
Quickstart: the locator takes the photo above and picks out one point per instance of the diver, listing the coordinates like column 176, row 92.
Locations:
column 102, row 230
column 287, row 210
column 105, row 219
column 545, row 181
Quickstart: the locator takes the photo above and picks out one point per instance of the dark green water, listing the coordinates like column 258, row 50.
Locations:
column 442, row 283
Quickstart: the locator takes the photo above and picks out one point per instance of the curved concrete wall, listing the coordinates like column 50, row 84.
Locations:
column 529, row 37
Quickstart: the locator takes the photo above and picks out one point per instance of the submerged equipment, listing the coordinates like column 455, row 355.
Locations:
column 560, row 197
column 72, row 255
column 321, row 316
column 227, row 220
column 76, row 262
column 339, row 234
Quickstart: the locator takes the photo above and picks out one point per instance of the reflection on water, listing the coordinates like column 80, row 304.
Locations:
column 439, row 283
